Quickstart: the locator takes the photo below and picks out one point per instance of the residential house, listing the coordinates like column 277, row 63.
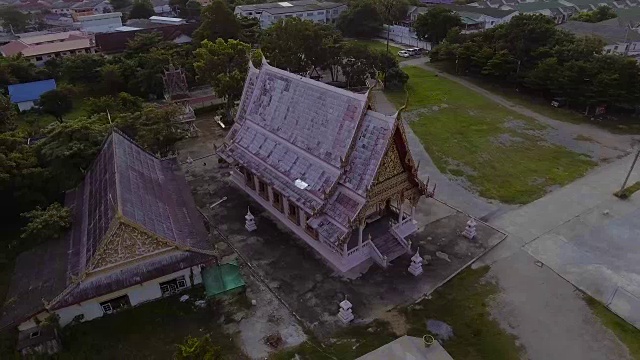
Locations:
column 268, row 13
column 26, row 95
column 99, row 23
column 40, row 48
column 162, row 7
column 136, row 236
column 63, row 7
column 116, row 42
column 618, row 39
column 559, row 11
column 90, row 7
column 338, row 175
column 473, row 18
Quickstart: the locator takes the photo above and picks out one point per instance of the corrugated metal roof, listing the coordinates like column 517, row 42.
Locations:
column 30, row 91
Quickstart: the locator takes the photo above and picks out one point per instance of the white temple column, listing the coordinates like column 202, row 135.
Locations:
column 360, row 228
column 413, row 212
column 270, row 194
column 400, row 203
column 345, row 249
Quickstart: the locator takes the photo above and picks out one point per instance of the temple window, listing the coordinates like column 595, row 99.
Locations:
column 263, row 189
column 277, row 200
column 309, row 229
column 294, row 215
column 248, row 177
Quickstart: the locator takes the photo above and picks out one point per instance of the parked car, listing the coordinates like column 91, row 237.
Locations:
column 558, row 102
column 404, row 54
column 414, row 51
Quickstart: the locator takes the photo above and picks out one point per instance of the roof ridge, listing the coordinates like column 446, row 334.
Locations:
column 267, row 67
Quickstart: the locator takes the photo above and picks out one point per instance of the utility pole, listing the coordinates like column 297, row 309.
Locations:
column 633, row 164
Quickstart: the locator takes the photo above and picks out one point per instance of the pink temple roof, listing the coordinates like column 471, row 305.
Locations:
column 292, row 128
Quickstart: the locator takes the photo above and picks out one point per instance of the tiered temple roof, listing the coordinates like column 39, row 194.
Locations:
column 293, row 129
column 134, row 220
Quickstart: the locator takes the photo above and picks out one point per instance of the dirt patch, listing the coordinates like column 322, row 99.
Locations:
column 505, row 140
column 397, row 321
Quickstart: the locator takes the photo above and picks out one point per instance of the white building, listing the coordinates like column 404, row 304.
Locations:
column 99, row 23
column 137, row 236
column 313, row 10
column 473, row 18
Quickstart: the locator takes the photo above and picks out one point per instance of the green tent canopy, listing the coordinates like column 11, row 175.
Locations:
column 222, row 279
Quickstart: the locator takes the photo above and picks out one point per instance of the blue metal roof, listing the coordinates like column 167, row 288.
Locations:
column 30, row 91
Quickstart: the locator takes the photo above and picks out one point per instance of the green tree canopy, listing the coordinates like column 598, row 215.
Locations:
column 154, row 127
column 224, row 65
column 141, row 9
column 7, row 114
column 56, row 103
column 602, row 13
column 14, row 19
column 361, row 20
column 119, row 104
column 436, row 23
column 217, row 21
column 300, row 46
column 250, row 31
column 46, row 224
column 82, row 68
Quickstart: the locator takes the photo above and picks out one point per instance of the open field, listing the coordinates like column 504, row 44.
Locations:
column 378, row 45
column 501, row 154
column 628, row 125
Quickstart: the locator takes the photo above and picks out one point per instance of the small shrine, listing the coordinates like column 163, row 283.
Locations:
column 346, row 312
column 416, row 264
column 250, row 221
column 470, row 230
column 176, row 91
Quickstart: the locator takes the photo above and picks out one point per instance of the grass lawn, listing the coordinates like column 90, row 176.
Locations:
column 149, row 331
column 543, row 106
column 348, row 344
column 625, row 332
column 495, row 149
column 379, row 45
column 33, row 122
column 462, row 303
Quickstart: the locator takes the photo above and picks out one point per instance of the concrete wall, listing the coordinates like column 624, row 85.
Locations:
column 41, row 59
column 26, row 105
column 138, row 294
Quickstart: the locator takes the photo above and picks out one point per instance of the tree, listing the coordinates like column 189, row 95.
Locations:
column 82, row 68
column 119, row 104
column 119, row 4
column 217, row 22
column 361, row 20
column 69, row 147
column 301, row 46
column 7, row 114
column 141, row 9
column 602, row 13
column 14, row 20
column 198, row 349
column 436, row 23
column 17, row 70
column 358, row 64
column 193, row 8
column 56, row 103
column 396, row 78
column 250, row 30
column 47, row 224
column 391, row 12
column 224, row 65
column 153, row 128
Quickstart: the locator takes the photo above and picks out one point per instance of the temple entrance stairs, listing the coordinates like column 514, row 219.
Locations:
column 386, row 249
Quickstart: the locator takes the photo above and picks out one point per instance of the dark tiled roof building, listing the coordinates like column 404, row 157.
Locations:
column 136, row 235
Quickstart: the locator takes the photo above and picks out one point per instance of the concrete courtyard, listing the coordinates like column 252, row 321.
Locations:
column 300, row 277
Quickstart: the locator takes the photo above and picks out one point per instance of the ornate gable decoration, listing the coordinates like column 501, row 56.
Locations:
column 126, row 243
column 390, row 166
